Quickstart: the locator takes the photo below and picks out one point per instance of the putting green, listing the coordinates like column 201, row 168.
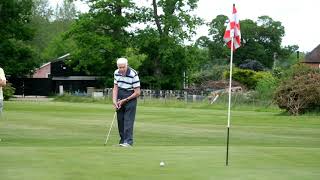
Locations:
column 55, row 140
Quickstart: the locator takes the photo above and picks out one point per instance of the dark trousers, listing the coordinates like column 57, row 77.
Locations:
column 126, row 116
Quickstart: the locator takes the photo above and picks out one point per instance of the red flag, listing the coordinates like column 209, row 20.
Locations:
column 233, row 30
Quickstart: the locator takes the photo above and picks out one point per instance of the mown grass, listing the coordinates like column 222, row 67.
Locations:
column 239, row 102
column 59, row 140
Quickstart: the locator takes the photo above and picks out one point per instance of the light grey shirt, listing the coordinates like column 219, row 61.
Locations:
column 2, row 77
column 129, row 81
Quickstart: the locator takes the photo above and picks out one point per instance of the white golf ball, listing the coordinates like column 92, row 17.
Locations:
column 161, row 163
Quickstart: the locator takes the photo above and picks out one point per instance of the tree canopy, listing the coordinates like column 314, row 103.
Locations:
column 155, row 36
column 16, row 56
column 261, row 41
column 162, row 42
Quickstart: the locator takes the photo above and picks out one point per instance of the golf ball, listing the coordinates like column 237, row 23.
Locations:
column 161, row 163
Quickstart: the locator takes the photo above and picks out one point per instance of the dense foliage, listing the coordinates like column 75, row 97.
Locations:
column 8, row 91
column 17, row 58
column 247, row 77
column 155, row 36
column 261, row 41
column 299, row 92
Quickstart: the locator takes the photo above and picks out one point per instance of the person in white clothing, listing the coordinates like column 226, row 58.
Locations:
column 3, row 83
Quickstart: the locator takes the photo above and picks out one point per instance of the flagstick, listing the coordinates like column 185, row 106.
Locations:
column 229, row 106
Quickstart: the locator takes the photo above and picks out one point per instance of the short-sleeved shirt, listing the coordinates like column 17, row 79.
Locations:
column 2, row 77
column 129, row 82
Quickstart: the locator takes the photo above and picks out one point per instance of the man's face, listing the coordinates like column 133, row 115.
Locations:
column 122, row 68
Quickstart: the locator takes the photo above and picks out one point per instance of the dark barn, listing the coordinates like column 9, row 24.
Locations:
column 52, row 77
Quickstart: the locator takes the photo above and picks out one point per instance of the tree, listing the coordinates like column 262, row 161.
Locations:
column 101, row 36
column 288, row 57
column 50, row 26
column 65, row 12
column 58, row 46
column 270, row 37
column 16, row 57
column 134, row 57
column 252, row 64
column 261, row 40
column 163, row 43
column 42, row 9
column 218, row 52
column 64, row 16
column 40, row 21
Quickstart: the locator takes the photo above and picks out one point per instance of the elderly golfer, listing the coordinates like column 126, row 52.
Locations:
column 125, row 92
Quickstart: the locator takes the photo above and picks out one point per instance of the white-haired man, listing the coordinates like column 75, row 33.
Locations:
column 126, row 89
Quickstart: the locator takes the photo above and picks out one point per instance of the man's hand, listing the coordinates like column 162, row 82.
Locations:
column 115, row 105
column 3, row 83
column 121, row 102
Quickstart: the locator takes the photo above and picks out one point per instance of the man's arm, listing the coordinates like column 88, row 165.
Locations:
column 3, row 80
column 136, row 87
column 3, row 83
column 115, row 96
column 135, row 94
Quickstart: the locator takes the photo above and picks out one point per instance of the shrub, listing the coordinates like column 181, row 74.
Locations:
column 277, row 72
column 298, row 69
column 252, row 65
column 215, row 74
column 247, row 77
column 8, row 91
column 266, row 87
column 299, row 92
column 243, row 76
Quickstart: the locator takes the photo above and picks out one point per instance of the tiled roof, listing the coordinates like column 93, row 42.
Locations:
column 313, row 56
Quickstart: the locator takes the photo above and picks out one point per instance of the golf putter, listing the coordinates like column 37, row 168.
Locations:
column 107, row 138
